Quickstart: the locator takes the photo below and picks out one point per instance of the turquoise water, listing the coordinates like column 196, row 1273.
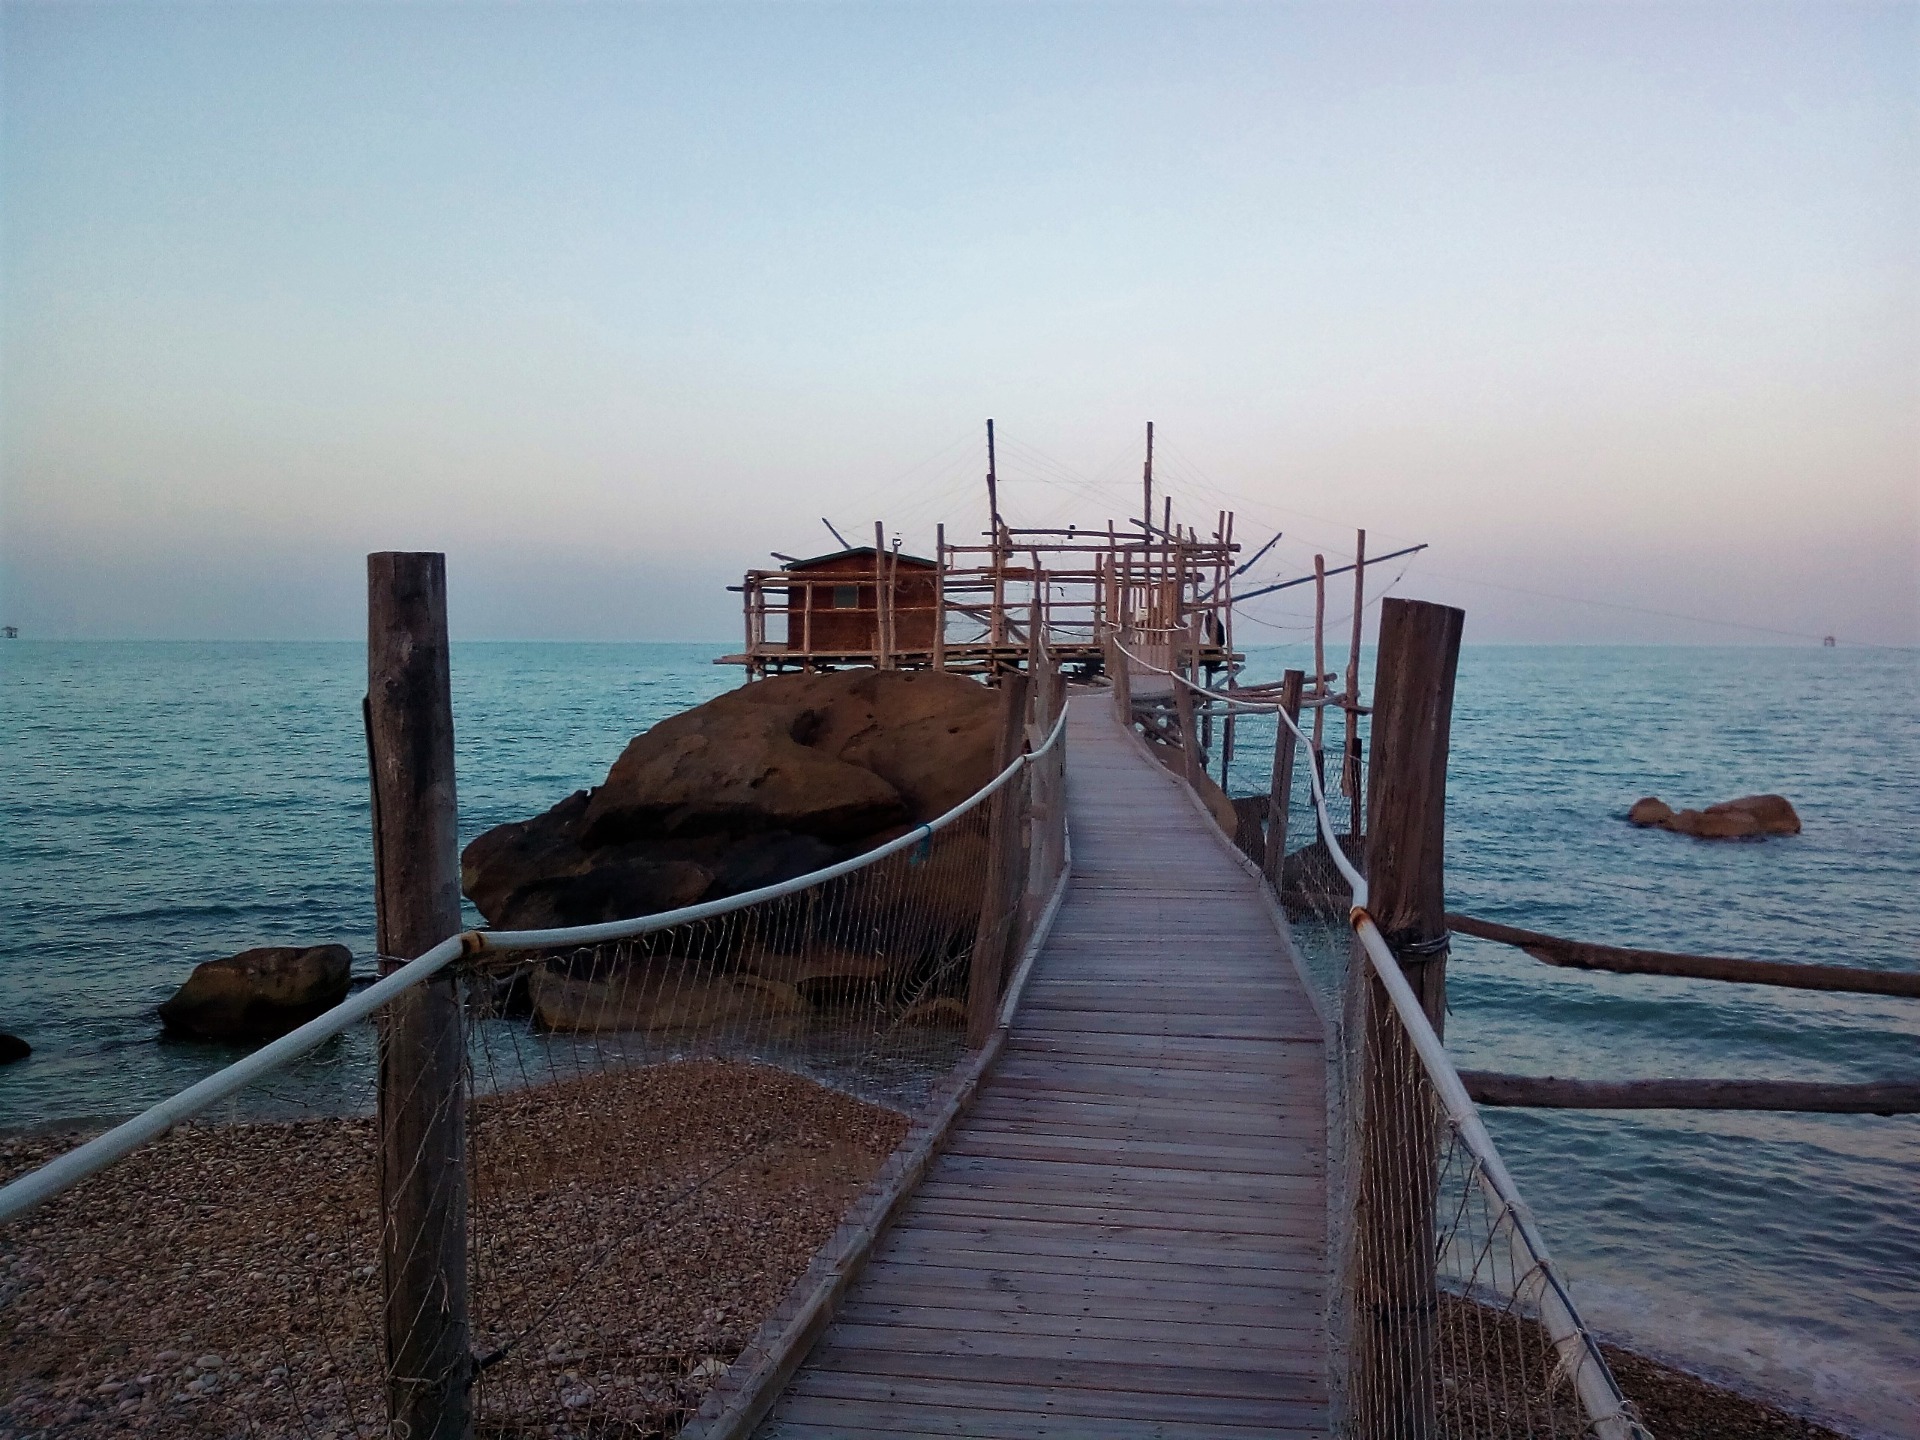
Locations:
column 166, row 803
column 1781, row 1252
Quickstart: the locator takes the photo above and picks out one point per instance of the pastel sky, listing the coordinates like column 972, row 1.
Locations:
column 1615, row 305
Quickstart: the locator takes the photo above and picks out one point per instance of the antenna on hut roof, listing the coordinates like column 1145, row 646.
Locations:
column 835, row 533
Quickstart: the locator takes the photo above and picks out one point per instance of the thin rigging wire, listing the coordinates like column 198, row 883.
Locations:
column 1648, row 610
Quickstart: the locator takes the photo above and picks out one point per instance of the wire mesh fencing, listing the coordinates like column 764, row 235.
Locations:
column 1457, row 1323
column 655, row 1133
column 1447, row 1318
column 654, row 1136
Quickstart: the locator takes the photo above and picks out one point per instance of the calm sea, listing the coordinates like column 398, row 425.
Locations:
column 166, row 803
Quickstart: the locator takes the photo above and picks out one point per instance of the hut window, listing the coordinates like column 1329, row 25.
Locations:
column 846, row 597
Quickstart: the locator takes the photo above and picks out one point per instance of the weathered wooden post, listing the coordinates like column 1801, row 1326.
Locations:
column 882, row 600
column 940, row 597
column 423, row 1092
column 1280, row 791
column 1191, row 765
column 1000, row 900
column 1041, row 800
column 1394, row 1288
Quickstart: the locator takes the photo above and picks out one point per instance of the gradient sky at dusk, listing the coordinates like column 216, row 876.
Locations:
column 1606, row 301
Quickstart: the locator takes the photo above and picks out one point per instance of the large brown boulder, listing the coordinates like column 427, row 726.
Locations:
column 1746, row 818
column 769, row 781
column 259, row 994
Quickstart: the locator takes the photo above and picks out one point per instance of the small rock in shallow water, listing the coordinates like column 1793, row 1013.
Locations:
column 259, row 994
column 13, row 1048
column 1748, row 817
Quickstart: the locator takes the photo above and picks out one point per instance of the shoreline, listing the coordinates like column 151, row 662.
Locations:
column 76, row 1360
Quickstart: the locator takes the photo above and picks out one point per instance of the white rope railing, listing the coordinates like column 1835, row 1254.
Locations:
column 67, row 1170
column 1577, row 1353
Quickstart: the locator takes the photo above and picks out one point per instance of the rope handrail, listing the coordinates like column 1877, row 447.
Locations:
column 65, row 1171
column 1233, row 702
column 1599, row 1394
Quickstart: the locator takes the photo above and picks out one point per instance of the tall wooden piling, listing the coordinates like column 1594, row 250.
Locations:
column 999, row 903
column 1395, row 1294
column 422, row 1065
column 1280, row 790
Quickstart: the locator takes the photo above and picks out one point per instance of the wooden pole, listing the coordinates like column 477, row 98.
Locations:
column 1000, row 901
column 1550, row 1092
column 1191, row 764
column 1038, row 623
column 1046, row 685
column 997, row 625
column 940, row 597
column 746, row 605
column 1350, row 742
column 1223, row 536
column 1280, row 789
column 422, row 1041
column 1394, row 1287
column 1146, row 490
column 1319, row 660
column 806, row 621
column 1224, row 595
column 880, row 646
column 893, row 605
column 1582, row 955
column 1167, row 581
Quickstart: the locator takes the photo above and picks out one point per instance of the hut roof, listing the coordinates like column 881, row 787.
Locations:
column 854, row 551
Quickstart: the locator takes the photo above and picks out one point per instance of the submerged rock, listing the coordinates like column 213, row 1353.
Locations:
column 766, row 782
column 259, row 994
column 1748, row 817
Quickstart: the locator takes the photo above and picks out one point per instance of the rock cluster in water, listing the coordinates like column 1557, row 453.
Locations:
column 763, row 783
column 259, row 994
column 1748, row 817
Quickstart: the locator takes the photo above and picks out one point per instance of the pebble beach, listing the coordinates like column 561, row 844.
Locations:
column 224, row 1280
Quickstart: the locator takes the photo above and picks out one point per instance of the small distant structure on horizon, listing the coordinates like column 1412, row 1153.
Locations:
column 9, row 632
column 1829, row 642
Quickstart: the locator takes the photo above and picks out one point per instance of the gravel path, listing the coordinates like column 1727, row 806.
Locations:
column 630, row 1228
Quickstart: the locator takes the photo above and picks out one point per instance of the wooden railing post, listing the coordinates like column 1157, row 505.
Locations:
column 1280, row 790
column 1395, row 1291
column 1000, row 902
column 1046, row 793
column 422, row 1065
column 1190, row 762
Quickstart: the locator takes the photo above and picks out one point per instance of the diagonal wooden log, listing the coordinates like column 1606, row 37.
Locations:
column 1551, row 1092
column 1579, row 955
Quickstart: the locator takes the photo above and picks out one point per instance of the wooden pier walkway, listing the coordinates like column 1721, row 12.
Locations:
column 1124, row 1236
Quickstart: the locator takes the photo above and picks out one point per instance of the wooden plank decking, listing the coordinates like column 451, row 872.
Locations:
column 1124, row 1236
